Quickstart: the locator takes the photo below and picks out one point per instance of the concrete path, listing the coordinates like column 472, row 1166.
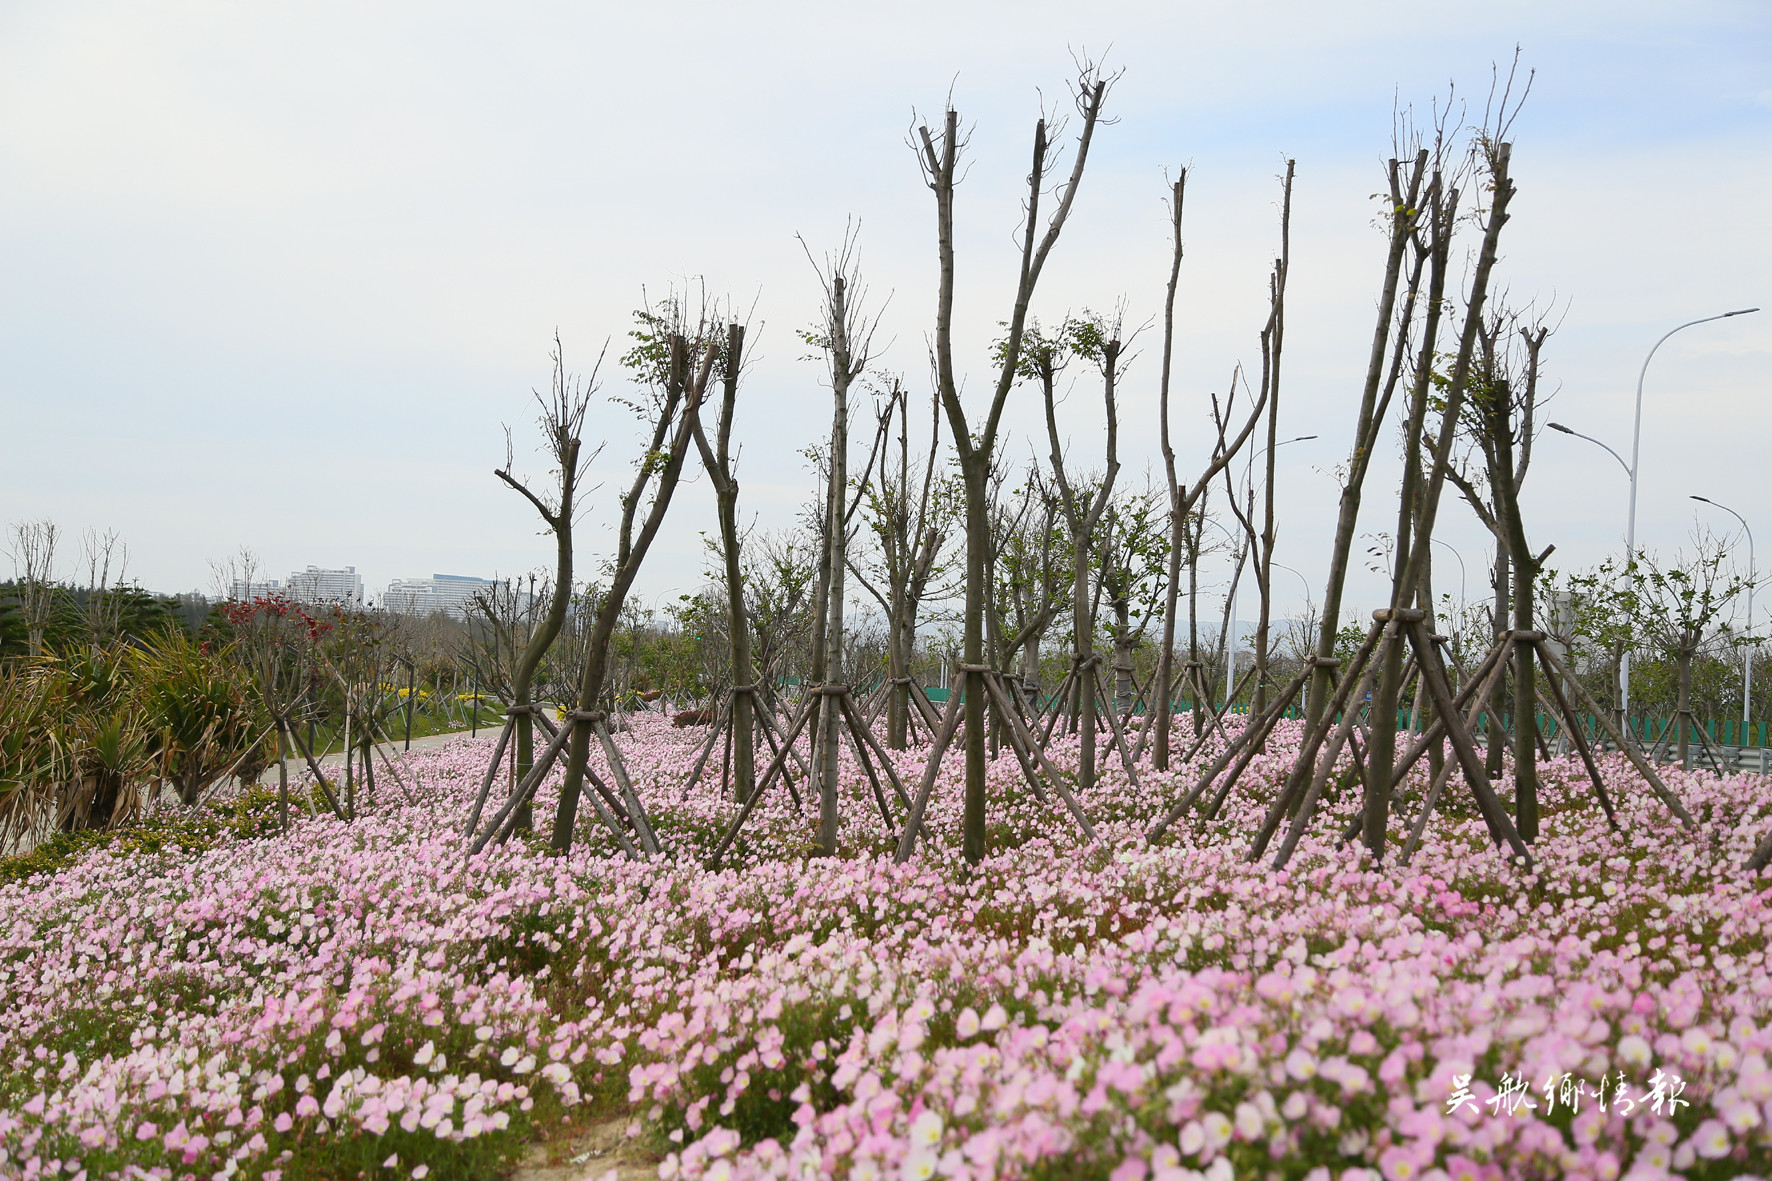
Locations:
column 335, row 762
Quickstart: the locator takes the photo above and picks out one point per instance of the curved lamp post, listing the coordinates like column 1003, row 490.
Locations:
column 1631, row 469
column 1230, row 679
column 1636, row 442
column 1462, row 592
column 1557, row 426
column 1747, row 652
column 1624, row 655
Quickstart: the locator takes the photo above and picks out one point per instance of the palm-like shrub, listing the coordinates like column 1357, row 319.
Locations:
column 33, row 754
column 198, row 714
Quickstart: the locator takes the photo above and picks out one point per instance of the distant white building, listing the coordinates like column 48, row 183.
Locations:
column 448, row 594
column 244, row 591
column 317, row 585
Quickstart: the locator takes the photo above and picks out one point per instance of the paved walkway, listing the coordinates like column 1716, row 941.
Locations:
column 298, row 767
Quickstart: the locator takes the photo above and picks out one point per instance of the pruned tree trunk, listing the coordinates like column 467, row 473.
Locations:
column 1183, row 500
column 974, row 450
column 562, row 419
column 664, row 464
column 836, row 534
column 717, row 460
column 1390, row 340
column 1421, row 498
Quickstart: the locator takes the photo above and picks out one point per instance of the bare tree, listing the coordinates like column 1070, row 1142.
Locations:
column 1273, row 338
column 910, row 518
column 664, row 359
column 1185, row 516
column 1082, row 506
column 106, row 558
column 939, row 157
column 718, row 461
column 561, row 420
column 846, row 337
column 33, row 558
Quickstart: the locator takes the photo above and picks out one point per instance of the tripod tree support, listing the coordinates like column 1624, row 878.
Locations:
column 1252, row 746
column 943, row 739
column 1630, row 751
column 503, row 823
column 636, row 810
column 1113, row 720
column 1233, row 747
column 1349, row 719
column 1477, row 692
column 777, row 766
column 1313, row 738
column 1434, row 677
column 1027, row 753
column 498, row 754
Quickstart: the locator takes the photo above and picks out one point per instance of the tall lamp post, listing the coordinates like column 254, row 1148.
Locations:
column 1624, row 653
column 1636, row 442
column 1230, row 679
column 1557, row 426
column 1460, row 557
column 1747, row 652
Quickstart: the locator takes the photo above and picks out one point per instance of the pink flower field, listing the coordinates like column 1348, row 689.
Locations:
column 359, row 1001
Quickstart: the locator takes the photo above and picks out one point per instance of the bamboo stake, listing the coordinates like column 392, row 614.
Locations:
column 1630, row 751
column 1019, row 734
column 914, row 821
column 1500, row 827
column 1349, row 719
column 776, row 766
column 636, row 810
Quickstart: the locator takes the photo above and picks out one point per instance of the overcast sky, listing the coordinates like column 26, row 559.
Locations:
column 277, row 276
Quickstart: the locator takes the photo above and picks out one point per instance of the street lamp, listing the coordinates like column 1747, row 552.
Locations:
column 1636, row 441
column 1301, row 578
column 1462, row 594
column 1230, row 679
column 1624, row 652
column 1557, row 426
column 1747, row 652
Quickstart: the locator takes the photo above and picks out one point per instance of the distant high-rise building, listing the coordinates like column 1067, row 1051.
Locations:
column 317, row 585
column 450, row 594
